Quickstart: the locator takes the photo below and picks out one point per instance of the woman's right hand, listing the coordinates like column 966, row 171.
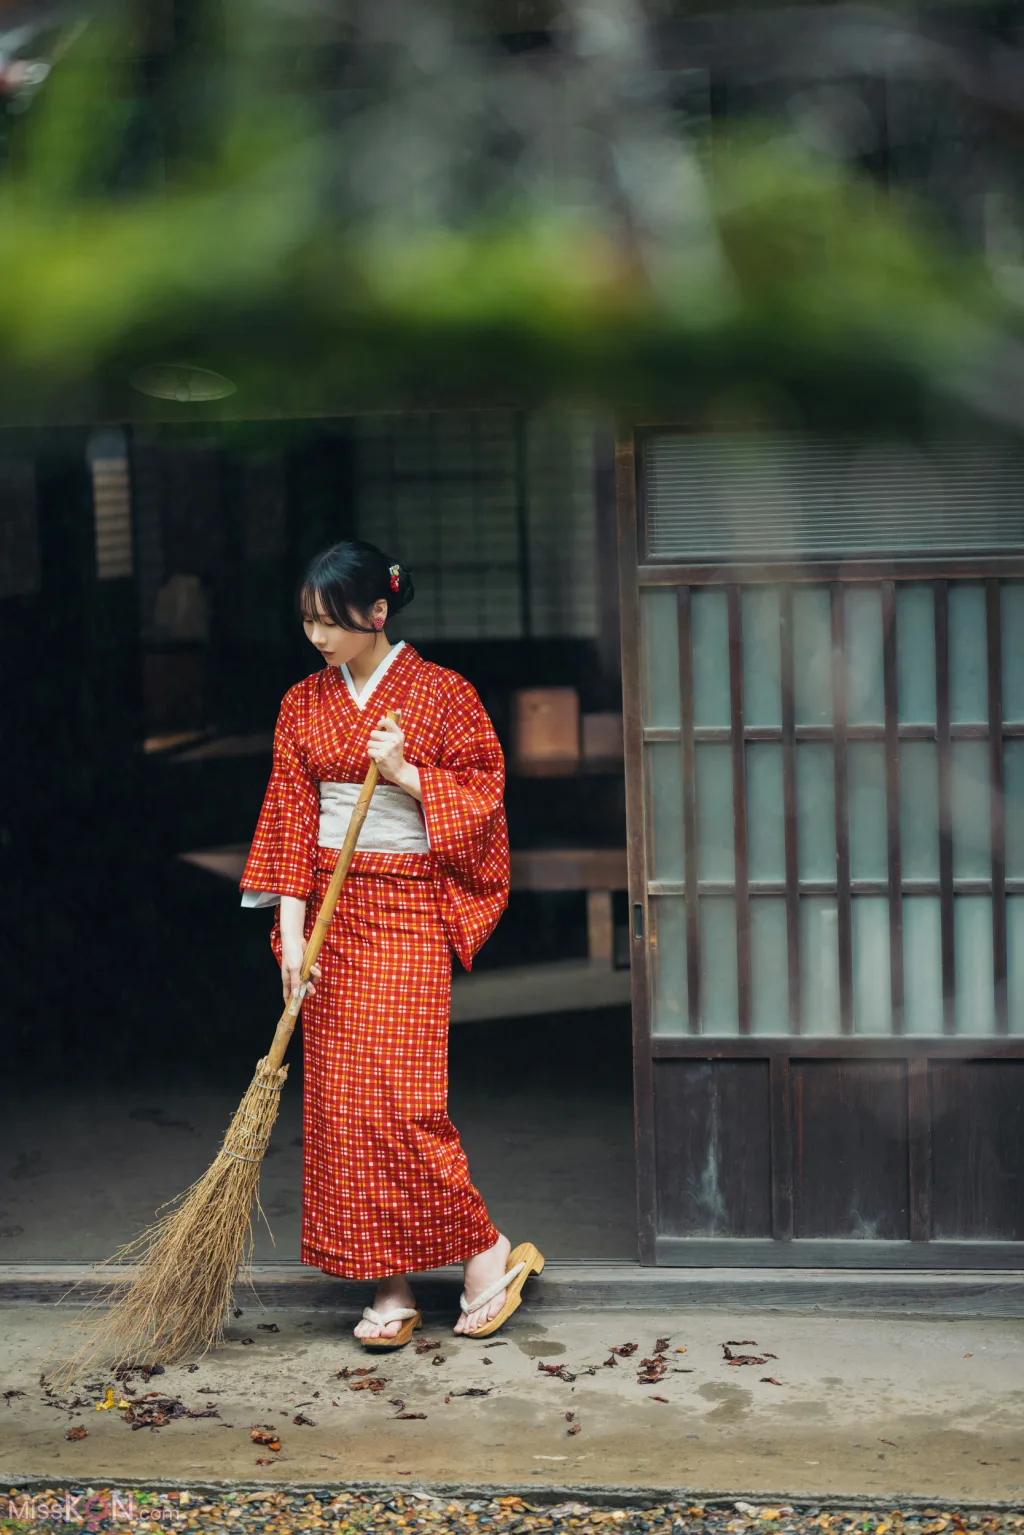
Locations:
column 293, row 946
column 291, row 970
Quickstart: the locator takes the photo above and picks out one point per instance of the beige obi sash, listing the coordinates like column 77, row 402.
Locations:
column 393, row 822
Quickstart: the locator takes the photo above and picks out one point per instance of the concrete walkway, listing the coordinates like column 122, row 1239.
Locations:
column 892, row 1408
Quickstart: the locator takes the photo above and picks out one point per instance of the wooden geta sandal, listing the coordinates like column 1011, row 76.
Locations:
column 409, row 1318
column 524, row 1260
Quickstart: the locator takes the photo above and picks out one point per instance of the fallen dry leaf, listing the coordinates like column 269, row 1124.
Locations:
column 474, row 1391
column 886, row 1441
column 378, row 1383
column 652, row 1370
column 558, row 1370
column 624, row 1349
column 569, row 1417
column 740, row 1343
column 731, row 1358
column 410, row 1415
column 439, row 1359
column 350, row 1370
column 769, row 1380
column 659, row 1398
column 574, row 1428
column 265, row 1434
column 264, row 1460
column 302, row 1421
column 77, row 1433
column 267, row 1327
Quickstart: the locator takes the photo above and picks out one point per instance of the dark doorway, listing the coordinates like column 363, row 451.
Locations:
column 143, row 994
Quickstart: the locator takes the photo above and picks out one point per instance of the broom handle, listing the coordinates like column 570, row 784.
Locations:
column 286, row 1022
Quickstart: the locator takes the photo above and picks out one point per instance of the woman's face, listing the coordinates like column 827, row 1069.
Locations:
column 335, row 644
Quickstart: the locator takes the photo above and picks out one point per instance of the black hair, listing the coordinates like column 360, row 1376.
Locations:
column 354, row 575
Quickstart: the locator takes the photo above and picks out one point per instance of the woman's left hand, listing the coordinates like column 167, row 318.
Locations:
column 387, row 749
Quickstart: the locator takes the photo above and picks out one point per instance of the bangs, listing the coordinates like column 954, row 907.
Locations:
column 314, row 600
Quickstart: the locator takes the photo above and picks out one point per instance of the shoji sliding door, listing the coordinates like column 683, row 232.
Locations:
column 824, row 666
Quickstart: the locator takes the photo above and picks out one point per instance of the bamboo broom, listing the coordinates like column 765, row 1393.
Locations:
column 188, row 1260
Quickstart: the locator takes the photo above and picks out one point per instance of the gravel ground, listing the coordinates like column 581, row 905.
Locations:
column 281, row 1511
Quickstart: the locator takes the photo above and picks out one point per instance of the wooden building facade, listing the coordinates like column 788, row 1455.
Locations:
column 823, row 646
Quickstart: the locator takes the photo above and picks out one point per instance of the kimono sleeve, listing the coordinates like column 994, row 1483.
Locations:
column 281, row 858
column 465, row 818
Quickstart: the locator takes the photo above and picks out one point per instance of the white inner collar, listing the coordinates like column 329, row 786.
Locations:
column 361, row 699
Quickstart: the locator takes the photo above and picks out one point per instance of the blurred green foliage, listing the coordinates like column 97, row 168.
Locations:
column 230, row 206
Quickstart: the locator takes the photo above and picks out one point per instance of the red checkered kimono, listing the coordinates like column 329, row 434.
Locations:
column 386, row 1186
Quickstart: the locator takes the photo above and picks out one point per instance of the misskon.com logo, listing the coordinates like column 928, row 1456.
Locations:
column 89, row 1509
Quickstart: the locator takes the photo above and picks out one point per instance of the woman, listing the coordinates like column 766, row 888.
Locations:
column 386, row 1187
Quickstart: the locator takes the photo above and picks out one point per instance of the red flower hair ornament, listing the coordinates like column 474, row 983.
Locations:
column 393, row 572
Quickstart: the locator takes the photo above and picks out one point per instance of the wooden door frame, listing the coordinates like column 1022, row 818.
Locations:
column 781, row 1249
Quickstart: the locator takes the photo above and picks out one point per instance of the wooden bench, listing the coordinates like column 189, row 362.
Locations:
column 598, row 871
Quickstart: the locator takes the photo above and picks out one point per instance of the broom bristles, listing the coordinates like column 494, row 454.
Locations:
column 187, row 1262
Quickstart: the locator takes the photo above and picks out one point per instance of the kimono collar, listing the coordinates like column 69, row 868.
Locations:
column 362, row 699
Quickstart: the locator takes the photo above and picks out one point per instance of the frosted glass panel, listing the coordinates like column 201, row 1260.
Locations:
column 1013, row 786
column 665, row 810
column 766, row 847
column 812, row 655
column 972, row 943
column 1011, row 598
column 865, row 768
column 922, row 965
column 715, row 857
column 872, row 996
column 819, row 964
column 659, row 633
column 815, row 811
column 769, row 976
column 718, row 1000
column 762, row 692
column 667, row 916
column 709, row 627
column 919, row 809
column 915, row 654
column 865, row 699
column 1015, row 962
column 968, row 649
column 972, row 842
